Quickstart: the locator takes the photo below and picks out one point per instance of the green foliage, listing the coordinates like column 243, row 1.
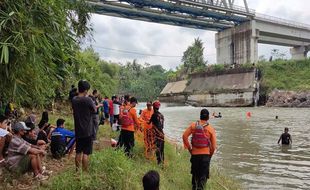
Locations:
column 144, row 82
column 285, row 75
column 193, row 57
column 102, row 75
column 38, row 39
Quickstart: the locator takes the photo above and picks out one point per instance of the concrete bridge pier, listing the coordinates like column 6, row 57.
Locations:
column 299, row 52
column 237, row 45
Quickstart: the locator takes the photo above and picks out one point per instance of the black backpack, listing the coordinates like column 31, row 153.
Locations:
column 58, row 147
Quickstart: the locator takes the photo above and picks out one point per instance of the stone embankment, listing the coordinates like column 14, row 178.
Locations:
column 279, row 98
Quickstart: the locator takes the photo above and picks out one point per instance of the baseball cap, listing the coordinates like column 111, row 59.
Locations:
column 19, row 126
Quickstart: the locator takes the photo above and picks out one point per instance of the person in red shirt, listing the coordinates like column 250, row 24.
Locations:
column 202, row 148
column 111, row 113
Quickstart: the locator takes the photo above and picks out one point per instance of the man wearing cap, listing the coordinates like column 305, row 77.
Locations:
column 157, row 121
column 83, row 111
column 62, row 141
column 23, row 156
column 127, row 137
column 202, row 147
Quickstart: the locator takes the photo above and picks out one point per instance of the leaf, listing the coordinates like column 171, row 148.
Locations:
column 11, row 13
column 4, row 54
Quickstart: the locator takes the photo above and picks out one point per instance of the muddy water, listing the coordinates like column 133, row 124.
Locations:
column 248, row 148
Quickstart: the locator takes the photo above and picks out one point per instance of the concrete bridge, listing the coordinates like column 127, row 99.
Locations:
column 239, row 29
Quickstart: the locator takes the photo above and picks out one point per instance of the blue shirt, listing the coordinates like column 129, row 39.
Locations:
column 106, row 106
column 64, row 133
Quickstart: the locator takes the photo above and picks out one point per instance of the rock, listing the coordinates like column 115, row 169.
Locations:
column 279, row 98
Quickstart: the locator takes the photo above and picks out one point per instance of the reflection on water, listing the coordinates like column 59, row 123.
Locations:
column 248, row 148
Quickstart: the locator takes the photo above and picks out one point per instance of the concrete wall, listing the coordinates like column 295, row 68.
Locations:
column 227, row 90
column 237, row 99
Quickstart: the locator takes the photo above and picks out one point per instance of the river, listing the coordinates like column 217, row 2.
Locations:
column 247, row 147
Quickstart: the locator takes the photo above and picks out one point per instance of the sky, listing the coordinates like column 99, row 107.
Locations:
column 121, row 40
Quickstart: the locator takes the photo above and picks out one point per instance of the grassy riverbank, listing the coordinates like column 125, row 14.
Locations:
column 110, row 169
column 285, row 75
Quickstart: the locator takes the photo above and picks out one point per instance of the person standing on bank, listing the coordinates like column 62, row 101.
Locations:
column 202, row 147
column 94, row 98
column 83, row 110
column 129, row 121
column 157, row 121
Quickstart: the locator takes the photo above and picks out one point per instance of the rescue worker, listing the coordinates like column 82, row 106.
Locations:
column 157, row 121
column 145, row 117
column 128, row 121
column 202, row 147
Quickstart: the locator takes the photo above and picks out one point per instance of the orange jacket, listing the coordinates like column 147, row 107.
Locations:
column 209, row 131
column 133, row 116
column 145, row 118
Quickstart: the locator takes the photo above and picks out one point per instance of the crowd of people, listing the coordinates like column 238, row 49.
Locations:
column 23, row 144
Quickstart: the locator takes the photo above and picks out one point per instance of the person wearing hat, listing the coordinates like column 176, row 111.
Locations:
column 129, row 122
column 30, row 136
column 22, row 156
column 62, row 141
column 157, row 121
column 202, row 147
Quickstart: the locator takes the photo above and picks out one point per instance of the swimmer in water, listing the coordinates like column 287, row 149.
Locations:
column 285, row 138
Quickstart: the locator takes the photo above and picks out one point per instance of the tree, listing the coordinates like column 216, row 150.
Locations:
column 193, row 57
column 38, row 44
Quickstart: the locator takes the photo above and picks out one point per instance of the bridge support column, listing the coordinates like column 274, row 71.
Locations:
column 237, row 45
column 299, row 52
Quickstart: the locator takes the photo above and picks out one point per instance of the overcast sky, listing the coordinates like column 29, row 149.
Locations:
column 114, row 35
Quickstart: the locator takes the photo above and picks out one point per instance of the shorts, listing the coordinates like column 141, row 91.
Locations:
column 116, row 118
column 106, row 115
column 84, row 145
column 24, row 165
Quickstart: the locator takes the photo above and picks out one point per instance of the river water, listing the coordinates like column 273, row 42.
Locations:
column 247, row 147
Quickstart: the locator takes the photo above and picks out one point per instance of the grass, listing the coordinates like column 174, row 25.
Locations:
column 285, row 75
column 111, row 169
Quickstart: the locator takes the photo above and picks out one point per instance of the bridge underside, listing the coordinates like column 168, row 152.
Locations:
column 179, row 13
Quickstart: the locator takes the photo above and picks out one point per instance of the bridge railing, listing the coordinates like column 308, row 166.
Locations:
column 221, row 5
column 278, row 20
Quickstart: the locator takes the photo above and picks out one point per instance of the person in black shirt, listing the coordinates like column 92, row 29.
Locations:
column 83, row 110
column 73, row 92
column 94, row 98
column 157, row 120
column 285, row 138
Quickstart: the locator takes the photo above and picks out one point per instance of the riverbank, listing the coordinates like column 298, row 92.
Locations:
column 110, row 169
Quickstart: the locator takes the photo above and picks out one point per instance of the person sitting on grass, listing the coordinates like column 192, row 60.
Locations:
column 62, row 140
column 151, row 180
column 31, row 136
column 22, row 156
column 5, row 137
column 45, row 128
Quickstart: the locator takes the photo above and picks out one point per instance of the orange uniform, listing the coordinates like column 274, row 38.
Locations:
column 145, row 118
column 210, row 133
column 133, row 116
